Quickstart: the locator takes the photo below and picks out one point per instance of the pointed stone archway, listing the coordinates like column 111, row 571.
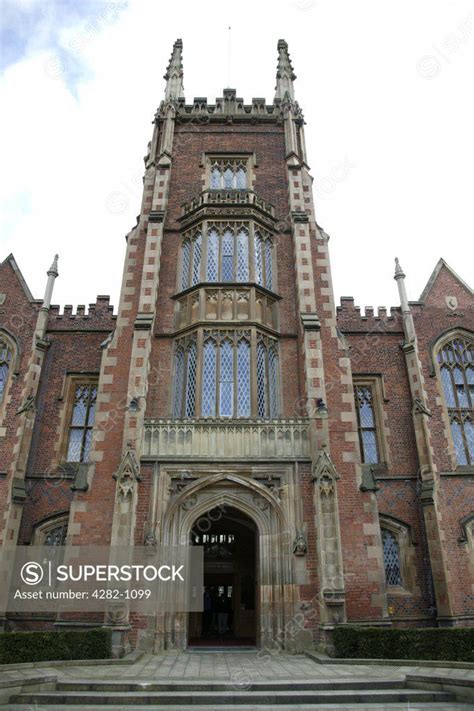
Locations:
column 230, row 541
column 276, row 598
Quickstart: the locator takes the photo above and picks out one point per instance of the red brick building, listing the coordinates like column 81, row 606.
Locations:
column 323, row 456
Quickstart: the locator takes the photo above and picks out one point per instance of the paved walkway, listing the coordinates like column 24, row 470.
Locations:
column 245, row 667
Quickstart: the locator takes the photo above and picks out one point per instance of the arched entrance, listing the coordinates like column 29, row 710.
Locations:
column 253, row 504
column 230, row 541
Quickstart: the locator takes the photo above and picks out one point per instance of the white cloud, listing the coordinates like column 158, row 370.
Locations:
column 390, row 146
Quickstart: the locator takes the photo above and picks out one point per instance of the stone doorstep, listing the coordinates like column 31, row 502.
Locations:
column 324, row 659
column 293, row 685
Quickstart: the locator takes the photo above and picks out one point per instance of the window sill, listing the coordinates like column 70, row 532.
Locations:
column 399, row 591
column 461, row 470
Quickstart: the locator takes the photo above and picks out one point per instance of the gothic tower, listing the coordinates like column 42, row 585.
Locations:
column 227, row 379
column 218, row 405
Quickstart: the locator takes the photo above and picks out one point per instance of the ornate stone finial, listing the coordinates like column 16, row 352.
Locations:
column 174, row 73
column 285, row 74
column 399, row 273
column 53, row 270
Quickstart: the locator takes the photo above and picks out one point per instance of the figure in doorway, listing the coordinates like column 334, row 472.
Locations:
column 223, row 608
column 207, row 613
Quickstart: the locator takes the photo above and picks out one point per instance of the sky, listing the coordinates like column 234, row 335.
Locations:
column 386, row 89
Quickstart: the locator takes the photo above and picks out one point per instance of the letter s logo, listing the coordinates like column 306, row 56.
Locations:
column 32, row 573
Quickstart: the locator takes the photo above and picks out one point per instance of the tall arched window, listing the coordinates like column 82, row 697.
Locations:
column 178, row 382
column 228, row 175
column 6, row 358
column 81, row 422
column 267, row 379
column 242, row 255
column 190, row 403
column 226, row 379
column 209, row 378
column 258, row 246
column 243, row 378
column 213, row 255
column 456, row 364
column 186, row 263
column 263, row 260
column 52, row 532
column 196, row 271
column 191, row 261
column 225, row 359
column 185, row 366
column 228, row 256
column 391, row 558
column 268, row 264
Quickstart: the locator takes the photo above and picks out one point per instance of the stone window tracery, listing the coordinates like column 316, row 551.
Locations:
column 225, row 252
column 391, row 558
column 191, row 251
column 367, row 424
column 213, row 375
column 6, row 359
column 81, row 422
column 456, row 367
column 52, row 532
column 228, row 174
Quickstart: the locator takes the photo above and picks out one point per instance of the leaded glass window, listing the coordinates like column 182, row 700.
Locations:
column 81, row 423
column 273, row 381
column 228, row 174
column 258, row 246
column 226, row 380
column 212, row 255
column 456, row 362
column 228, row 178
column 190, row 402
column 241, row 178
column 197, row 246
column 179, row 382
column 216, row 178
column 185, row 263
column 268, row 264
column 364, row 400
column 209, row 379
column 191, row 261
column 225, row 360
column 242, row 256
column 227, row 256
column 391, row 558
column 56, row 536
column 243, row 379
column 261, row 380
column 185, row 372
column 6, row 355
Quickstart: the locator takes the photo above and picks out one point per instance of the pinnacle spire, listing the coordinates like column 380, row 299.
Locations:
column 399, row 273
column 285, row 74
column 53, row 270
column 174, row 73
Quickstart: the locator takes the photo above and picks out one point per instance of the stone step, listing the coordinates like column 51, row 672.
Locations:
column 446, row 706
column 257, row 699
column 227, row 685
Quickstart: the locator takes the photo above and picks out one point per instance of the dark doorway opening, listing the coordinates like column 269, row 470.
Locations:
column 229, row 538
